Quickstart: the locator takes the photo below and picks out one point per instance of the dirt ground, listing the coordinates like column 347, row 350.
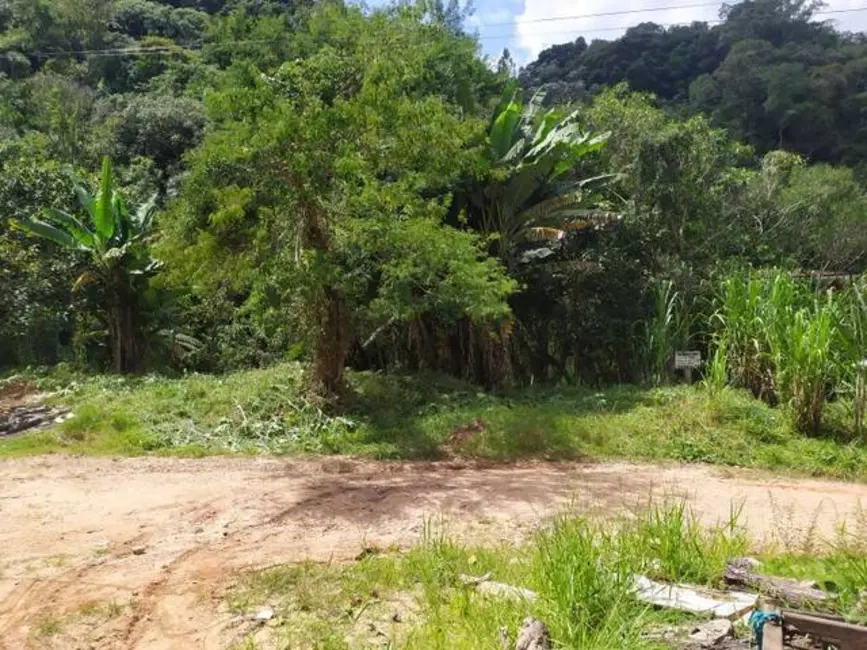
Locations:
column 137, row 553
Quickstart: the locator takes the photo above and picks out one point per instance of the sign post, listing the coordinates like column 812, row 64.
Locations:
column 687, row 361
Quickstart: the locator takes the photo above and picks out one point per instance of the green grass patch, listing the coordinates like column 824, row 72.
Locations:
column 412, row 417
column 581, row 570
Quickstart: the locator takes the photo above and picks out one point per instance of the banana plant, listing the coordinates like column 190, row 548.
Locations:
column 529, row 192
column 116, row 240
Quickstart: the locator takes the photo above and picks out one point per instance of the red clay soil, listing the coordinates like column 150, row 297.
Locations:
column 163, row 538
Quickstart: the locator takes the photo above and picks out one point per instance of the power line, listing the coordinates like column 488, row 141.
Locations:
column 625, row 27
column 601, row 15
column 581, row 32
column 177, row 48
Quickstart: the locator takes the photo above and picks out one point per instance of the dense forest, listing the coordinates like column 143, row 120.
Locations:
column 218, row 184
column 773, row 73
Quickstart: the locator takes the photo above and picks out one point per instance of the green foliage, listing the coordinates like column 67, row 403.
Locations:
column 160, row 128
column 358, row 187
column 581, row 569
column 115, row 239
column 667, row 331
column 791, row 341
column 329, row 182
column 413, row 416
column 773, row 73
column 526, row 191
column 37, row 312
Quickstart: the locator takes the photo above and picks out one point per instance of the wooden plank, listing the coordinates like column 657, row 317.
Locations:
column 844, row 635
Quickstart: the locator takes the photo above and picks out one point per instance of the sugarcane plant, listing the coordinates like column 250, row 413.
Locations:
column 116, row 240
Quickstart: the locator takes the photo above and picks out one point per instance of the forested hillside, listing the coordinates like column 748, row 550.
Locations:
column 774, row 73
column 222, row 185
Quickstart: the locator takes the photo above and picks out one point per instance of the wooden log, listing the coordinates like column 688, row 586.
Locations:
column 843, row 635
column 740, row 572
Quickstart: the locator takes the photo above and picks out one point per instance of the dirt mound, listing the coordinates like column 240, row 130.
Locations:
column 16, row 392
column 136, row 554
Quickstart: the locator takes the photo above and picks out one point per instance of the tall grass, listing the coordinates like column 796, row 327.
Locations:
column 788, row 341
column 742, row 331
column 808, row 361
column 854, row 340
column 666, row 331
column 582, row 570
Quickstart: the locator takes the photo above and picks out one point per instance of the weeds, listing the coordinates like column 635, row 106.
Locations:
column 49, row 626
column 581, row 569
column 401, row 417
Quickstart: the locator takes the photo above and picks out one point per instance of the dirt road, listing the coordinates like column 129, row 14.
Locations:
column 135, row 554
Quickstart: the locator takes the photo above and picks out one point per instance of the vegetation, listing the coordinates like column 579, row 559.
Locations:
column 581, row 571
column 773, row 73
column 116, row 242
column 339, row 189
column 413, row 416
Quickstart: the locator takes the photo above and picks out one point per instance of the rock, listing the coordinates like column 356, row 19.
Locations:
column 711, row 633
column 139, row 550
column 264, row 615
column 397, row 618
column 484, row 585
column 508, row 592
column 534, row 635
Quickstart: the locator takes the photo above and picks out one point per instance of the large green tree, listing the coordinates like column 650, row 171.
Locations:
column 321, row 195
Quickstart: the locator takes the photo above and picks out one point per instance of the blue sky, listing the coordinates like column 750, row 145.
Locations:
column 526, row 28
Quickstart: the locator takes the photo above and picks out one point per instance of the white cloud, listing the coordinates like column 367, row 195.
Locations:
column 534, row 31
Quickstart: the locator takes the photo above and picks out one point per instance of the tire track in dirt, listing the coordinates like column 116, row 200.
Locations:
column 199, row 523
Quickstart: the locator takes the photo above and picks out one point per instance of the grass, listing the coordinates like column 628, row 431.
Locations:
column 580, row 569
column 49, row 626
column 411, row 417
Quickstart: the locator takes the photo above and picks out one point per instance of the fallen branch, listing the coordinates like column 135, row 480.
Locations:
column 829, row 629
column 379, row 330
column 740, row 572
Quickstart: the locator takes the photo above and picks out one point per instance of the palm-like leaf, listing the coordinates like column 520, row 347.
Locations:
column 72, row 226
column 144, row 216
column 503, row 131
column 531, row 149
column 51, row 233
column 85, row 199
column 103, row 216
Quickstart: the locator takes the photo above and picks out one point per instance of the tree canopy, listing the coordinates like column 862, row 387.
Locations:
column 362, row 188
column 772, row 72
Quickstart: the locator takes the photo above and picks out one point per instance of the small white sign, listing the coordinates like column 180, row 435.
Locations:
column 687, row 360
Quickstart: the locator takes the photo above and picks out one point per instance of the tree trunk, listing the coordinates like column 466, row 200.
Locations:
column 123, row 338
column 332, row 345
column 334, row 333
